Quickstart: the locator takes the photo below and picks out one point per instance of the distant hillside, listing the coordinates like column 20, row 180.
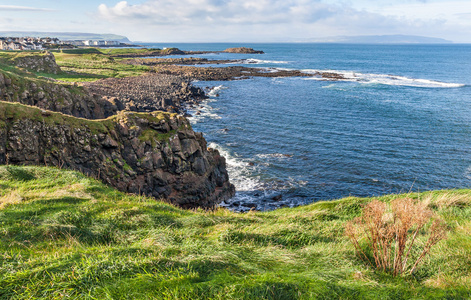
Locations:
column 380, row 39
column 68, row 35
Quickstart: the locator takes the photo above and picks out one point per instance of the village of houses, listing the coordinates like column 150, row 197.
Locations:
column 34, row 43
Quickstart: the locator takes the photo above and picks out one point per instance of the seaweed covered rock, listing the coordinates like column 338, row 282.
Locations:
column 155, row 154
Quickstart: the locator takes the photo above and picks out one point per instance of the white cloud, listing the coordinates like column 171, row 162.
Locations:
column 282, row 20
column 22, row 8
column 218, row 11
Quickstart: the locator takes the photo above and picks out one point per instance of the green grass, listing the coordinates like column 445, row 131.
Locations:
column 93, row 66
column 66, row 236
column 120, row 51
column 10, row 112
column 78, row 65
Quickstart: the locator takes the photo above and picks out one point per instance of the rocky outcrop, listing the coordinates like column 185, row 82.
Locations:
column 243, row 50
column 178, row 61
column 44, row 63
column 153, row 52
column 238, row 72
column 155, row 154
column 148, row 93
column 68, row 99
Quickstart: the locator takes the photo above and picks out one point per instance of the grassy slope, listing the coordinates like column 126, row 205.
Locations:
column 78, row 65
column 63, row 235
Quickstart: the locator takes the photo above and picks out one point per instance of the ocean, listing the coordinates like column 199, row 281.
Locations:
column 400, row 122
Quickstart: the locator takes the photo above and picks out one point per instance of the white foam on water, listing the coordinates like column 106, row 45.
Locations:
column 467, row 173
column 202, row 111
column 268, row 70
column 214, row 91
column 274, row 155
column 240, row 172
column 261, row 61
column 386, row 79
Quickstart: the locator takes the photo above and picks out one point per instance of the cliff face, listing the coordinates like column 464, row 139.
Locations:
column 71, row 100
column 156, row 154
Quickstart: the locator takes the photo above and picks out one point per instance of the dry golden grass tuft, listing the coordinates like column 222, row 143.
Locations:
column 10, row 199
column 447, row 200
column 386, row 236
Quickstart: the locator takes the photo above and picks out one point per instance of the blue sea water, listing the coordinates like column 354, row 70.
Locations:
column 400, row 122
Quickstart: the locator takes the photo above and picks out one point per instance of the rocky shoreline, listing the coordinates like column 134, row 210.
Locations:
column 237, row 73
column 142, row 147
column 148, row 93
column 144, row 150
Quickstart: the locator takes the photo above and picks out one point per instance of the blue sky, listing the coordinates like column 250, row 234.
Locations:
column 241, row 20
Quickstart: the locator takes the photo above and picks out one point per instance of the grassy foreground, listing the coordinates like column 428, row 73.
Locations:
column 67, row 236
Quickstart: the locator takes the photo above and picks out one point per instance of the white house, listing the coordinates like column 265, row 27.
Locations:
column 14, row 46
column 38, row 46
column 27, row 46
column 112, row 43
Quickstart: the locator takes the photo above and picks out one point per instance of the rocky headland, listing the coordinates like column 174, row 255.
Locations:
column 155, row 154
column 138, row 148
column 65, row 98
column 176, row 51
column 123, row 130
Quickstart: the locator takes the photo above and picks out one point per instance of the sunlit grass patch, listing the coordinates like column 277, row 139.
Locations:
column 73, row 237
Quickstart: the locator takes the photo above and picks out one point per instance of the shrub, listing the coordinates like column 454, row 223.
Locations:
column 386, row 237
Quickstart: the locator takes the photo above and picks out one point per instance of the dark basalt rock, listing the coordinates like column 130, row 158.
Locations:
column 148, row 93
column 68, row 99
column 237, row 73
column 155, row 154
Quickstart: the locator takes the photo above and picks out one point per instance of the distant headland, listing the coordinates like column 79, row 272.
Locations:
column 378, row 39
column 68, row 35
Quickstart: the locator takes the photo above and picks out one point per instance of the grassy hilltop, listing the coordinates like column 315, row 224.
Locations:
column 66, row 236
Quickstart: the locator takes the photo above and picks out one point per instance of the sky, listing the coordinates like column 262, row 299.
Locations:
column 241, row 20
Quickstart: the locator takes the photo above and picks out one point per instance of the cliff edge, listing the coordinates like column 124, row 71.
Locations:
column 155, row 154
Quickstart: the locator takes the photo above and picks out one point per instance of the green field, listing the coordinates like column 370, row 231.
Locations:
column 67, row 236
column 78, row 65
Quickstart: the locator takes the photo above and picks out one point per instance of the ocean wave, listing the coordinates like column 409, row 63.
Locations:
column 261, row 61
column 239, row 169
column 385, row 79
column 215, row 91
column 202, row 111
column 274, row 155
column 269, row 70
column 253, row 188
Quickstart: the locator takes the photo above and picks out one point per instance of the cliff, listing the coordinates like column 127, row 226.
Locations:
column 68, row 99
column 155, row 154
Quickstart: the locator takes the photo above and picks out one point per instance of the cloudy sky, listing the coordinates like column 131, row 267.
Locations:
column 241, row 20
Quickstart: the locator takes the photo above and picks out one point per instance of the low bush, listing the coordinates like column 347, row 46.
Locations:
column 388, row 237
